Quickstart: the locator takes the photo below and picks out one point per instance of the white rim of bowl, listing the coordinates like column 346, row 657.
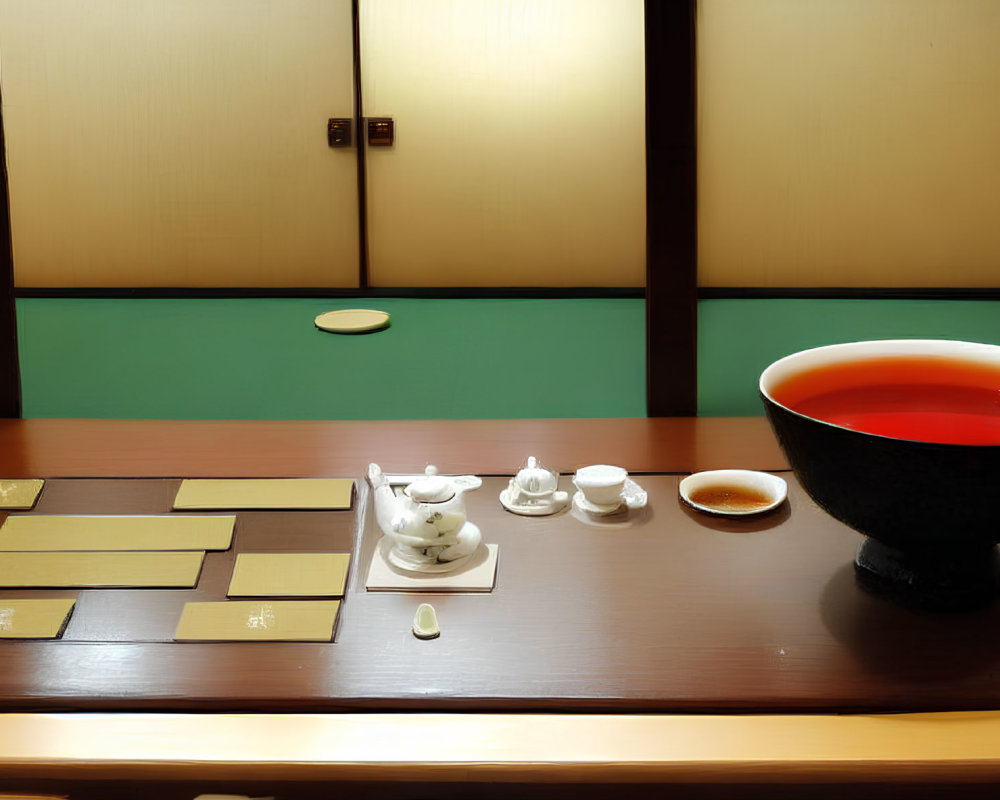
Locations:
column 803, row 360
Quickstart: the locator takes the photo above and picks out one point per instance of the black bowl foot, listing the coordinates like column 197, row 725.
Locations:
column 949, row 580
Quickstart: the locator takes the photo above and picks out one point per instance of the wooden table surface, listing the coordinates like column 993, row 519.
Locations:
column 135, row 448
column 724, row 636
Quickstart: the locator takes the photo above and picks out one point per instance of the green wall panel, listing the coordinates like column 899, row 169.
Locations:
column 737, row 339
column 459, row 359
column 264, row 359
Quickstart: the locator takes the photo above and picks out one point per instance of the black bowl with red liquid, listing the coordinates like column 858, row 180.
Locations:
column 900, row 440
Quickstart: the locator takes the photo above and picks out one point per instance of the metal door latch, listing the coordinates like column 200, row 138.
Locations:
column 381, row 131
column 338, row 131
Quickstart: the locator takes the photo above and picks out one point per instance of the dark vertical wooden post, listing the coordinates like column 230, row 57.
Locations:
column 10, row 375
column 360, row 143
column 671, row 210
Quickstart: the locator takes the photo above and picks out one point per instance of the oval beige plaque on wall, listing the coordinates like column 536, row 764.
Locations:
column 353, row 320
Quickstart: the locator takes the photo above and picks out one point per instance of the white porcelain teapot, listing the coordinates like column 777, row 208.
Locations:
column 426, row 522
column 533, row 491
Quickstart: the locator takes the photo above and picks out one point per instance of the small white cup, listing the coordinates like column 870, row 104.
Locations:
column 601, row 484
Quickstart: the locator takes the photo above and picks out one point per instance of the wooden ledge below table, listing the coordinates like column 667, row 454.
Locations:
column 408, row 753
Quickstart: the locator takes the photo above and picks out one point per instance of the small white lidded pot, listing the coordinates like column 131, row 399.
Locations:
column 601, row 484
column 535, row 481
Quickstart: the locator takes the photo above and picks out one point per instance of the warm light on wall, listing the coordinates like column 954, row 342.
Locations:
column 178, row 142
column 520, row 141
column 183, row 142
column 849, row 142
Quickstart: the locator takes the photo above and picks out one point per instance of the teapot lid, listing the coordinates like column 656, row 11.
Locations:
column 432, row 488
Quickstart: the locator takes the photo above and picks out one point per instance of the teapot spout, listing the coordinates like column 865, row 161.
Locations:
column 376, row 477
column 466, row 483
column 385, row 499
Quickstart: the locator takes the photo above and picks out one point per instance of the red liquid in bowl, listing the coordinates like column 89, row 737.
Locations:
column 925, row 398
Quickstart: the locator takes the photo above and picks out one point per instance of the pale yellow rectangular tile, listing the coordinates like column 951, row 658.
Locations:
column 34, row 797
column 258, row 620
column 34, row 618
column 161, row 532
column 289, row 574
column 109, row 569
column 264, row 493
column 19, row 494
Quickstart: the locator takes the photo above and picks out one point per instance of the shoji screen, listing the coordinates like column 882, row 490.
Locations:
column 179, row 142
column 849, row 143
column 519, row 154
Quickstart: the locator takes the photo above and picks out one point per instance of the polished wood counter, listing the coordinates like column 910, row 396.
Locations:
column 136, row 448
column 664, row 609
column 754, row 617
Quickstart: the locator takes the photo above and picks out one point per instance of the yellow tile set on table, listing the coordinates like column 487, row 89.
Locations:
column 167, row 551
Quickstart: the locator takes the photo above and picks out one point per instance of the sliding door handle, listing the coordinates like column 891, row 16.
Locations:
column 381, row 131
column 338, row 131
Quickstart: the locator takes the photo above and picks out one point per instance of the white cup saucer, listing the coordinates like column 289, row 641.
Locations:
column 632, row 496
column 583, row 504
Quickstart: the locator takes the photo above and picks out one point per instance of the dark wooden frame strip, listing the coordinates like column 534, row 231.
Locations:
column 671, row 209
column 442, row 292
column 10, row 373
column 527, row 292
column 360, row 144
column 848, row 293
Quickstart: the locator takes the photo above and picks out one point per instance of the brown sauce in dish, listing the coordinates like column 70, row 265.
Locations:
column 731, row 498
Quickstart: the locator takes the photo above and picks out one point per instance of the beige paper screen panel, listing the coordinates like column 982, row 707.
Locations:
column 848, row 143
column 253, row 620
column 100, row 570
column 174, row 532
column 519, row 157
column 179, row 142
column 264, row 493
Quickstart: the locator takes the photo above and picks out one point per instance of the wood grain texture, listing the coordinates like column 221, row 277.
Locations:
column 766, row 611
column 663, row 610
column 109, row 448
